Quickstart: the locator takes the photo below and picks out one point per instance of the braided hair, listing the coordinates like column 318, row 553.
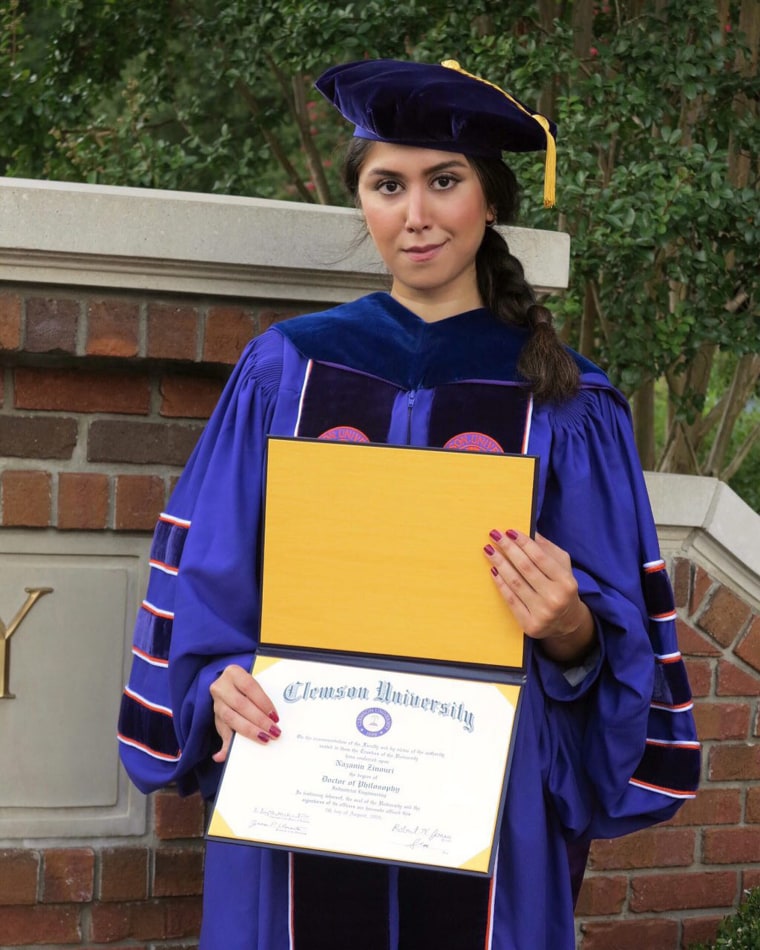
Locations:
column 544, row 361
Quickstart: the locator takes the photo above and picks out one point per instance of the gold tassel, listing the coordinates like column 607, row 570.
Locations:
column 550, row 165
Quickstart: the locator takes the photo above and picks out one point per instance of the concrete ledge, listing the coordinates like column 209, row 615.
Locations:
column 704, row 519
column 181, row 242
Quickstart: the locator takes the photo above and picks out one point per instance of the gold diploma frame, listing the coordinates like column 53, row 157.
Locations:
column 394, row 663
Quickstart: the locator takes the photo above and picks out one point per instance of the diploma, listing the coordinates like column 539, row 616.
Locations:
column 373, row 570
column 375, row 763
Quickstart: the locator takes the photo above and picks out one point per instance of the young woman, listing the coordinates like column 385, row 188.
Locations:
column 605, row 743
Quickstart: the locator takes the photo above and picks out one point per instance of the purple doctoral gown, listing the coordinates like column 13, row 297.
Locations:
column 599, row 751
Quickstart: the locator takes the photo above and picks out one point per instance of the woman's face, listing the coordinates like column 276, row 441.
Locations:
column 426, row 212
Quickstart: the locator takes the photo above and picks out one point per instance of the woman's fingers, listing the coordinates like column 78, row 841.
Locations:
column 536, row 580
column 241, row 705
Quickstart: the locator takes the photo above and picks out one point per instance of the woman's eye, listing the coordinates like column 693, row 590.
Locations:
column 388, row 187
column 442, row 182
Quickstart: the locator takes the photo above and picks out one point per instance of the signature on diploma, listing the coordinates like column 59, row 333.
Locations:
column 423, row 837
column 284, row 822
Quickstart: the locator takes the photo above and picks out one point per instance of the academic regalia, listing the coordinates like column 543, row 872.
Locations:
column 600, row 750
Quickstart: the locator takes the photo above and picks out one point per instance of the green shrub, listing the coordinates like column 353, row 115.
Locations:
column 740, row 931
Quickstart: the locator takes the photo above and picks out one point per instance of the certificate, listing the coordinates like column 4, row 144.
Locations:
column 394, row 663
column 375, row 763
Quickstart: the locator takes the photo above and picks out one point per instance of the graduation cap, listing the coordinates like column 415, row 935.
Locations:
column 440, row 107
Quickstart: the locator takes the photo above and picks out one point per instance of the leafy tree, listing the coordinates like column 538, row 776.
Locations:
column 656, row 102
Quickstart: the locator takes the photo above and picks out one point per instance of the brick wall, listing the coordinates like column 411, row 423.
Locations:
column 668, row 887
column 103, row 397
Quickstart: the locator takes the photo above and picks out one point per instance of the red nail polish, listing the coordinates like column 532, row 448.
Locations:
column 496, row 535
column 263, row 737
column 273, row 716
column 494, row 572
column 512, row 534
column 275, row 731
column 489, row 550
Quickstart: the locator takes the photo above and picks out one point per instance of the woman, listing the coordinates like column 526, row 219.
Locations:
column 605, row 742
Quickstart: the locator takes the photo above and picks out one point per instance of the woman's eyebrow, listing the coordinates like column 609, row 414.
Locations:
column 431, row 170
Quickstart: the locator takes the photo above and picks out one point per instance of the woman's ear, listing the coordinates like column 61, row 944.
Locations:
column 490, row 215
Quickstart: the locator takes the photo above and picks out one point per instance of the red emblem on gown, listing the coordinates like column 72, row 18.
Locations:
column 344, row 434
column 474, row 442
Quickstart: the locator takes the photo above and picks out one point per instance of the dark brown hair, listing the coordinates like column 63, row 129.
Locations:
column 546, row 364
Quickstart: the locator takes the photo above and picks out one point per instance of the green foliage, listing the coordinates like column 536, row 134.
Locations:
column 740, row 931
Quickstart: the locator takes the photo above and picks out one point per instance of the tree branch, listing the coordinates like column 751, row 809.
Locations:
column 272, row 141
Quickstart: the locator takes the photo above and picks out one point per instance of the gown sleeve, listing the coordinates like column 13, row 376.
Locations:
column 621, row 750
column 201, row 608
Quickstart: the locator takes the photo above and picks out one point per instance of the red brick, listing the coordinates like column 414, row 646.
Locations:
column 189, row 397
column 654, row 893
column 56, row 924
column 697, row 930
column 123, row 874
column 750, row 879
column 83, row 501
column 712, row 806
column 51, row 325
column 680, row 575
column 725, row 616
column 177, row 817
column 722, row 720
column 68, row 876
column 139, row 501
column 113, row 328
column 753, row 804
column 731, row 846
column 170, row 918
column 693, row 643
column 178, row 872
column 749, row 648
column 26, row 499
column 172, row 332
column 110, row 923
column 141, row 443
column 734, row 762
column 656, row 847
column 268, row 318
column 228, row 329
column 701, row 585
column 10, row 322
column 700, row 673
column 645, row 934
column 38, row 437
column 734, row 681
column 19, row 871
column 183, row 917
column 602, row 896
column 79, row 391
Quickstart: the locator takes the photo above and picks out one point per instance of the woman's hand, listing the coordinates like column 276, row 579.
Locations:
column 535, row 578
column 241, row 705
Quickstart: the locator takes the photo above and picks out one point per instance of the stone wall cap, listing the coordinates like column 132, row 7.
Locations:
column 109, row 236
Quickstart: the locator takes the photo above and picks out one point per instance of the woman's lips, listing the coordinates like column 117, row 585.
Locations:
column 423, row 252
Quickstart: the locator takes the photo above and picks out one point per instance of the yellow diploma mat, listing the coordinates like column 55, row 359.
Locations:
column 376, row 549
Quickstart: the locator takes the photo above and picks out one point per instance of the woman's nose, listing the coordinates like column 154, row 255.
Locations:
column 417, row 210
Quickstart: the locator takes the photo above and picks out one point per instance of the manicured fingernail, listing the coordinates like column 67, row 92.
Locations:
column 489, row 550
column 263, row 737
column 494, row 572
column 273, row 716
column 496, row 535
column 275, row 731
column 512, row 534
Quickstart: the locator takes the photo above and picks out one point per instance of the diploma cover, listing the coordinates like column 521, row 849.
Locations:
column 394, row 663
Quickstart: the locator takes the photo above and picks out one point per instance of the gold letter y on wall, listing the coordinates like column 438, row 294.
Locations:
column 34, row 594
